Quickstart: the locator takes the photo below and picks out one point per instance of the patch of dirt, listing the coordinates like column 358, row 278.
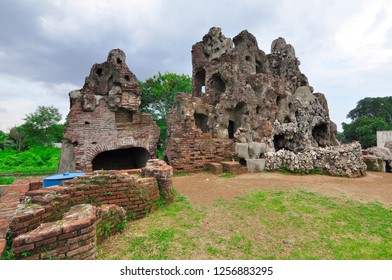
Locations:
column 204, row 188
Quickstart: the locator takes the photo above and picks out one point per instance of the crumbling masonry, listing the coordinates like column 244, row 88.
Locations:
column 246, row 104
column 104, row 129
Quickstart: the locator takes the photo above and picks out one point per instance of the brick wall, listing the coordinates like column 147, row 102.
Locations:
column 188, row 148
column 138, row 196
column 75, row 236
column 104, row 117
column 94, row 132
column 93, row 206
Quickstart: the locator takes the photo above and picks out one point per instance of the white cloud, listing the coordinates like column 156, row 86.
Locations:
column 362, row 37
column 18, row 97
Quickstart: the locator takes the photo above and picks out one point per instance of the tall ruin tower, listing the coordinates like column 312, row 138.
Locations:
column 104, row 129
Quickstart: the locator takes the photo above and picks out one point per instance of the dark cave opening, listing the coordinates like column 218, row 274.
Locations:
column 120, row 159
column 201, row 122
column 230, row 129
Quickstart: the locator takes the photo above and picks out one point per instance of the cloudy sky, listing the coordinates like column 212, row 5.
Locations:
column 47, row 47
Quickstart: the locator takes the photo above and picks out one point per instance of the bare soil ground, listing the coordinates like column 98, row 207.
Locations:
column 205, row 188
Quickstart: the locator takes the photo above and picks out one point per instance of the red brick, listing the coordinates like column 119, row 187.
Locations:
column 18, row 241
column 87, row 229
column 46, row 241
column 81, row 237
column 67, row 235
column 2, row 246
column 116, row 201
column 73, row 225
column 79, row 250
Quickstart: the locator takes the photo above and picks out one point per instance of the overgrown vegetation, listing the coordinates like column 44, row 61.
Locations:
column 263, row 225
column 33, row 160
column 7, row 180
column 40, row 129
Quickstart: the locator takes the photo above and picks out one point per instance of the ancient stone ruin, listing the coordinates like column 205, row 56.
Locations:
column 104, row 129
column 246, row 104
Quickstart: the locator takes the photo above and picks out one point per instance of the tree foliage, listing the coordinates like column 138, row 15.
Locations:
column 158, row 95
column 17, row 137
column 159, row 90
column 364, row 130
column 369, row 116
column 42, row 127
column 379, row 107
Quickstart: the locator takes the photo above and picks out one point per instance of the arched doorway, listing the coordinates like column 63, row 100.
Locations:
column 130, row 158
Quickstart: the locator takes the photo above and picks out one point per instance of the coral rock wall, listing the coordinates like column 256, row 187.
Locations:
column 242, row 95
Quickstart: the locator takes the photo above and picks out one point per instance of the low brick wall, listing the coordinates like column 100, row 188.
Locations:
column 73, row 237
column 191, row 151
column 138, row 196
column 37, row 223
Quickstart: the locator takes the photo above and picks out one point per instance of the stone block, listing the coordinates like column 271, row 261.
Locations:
column 255, row 165
column 374, row 163
column 214, row 167
column 242, row 150
column 231, row 167
column 256, row 149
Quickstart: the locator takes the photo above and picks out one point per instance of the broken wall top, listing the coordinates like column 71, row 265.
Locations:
column 111, row 81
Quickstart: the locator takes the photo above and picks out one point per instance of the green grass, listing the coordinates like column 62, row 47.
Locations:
column 35, row 160
column 263, row 225
column 227, row 175
column 7, row 180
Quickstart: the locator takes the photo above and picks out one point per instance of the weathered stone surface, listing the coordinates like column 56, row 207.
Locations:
column 380, row 152
column 255, row 165
column 67, row 158
column 344, row 160
column 214, row 167
column 163, row 173
column 104, row 128
column 242, row 150
column 242, row 95
column 388, row 145
column 382, row 161
column 231, row 167
column 374, row 163
column 256, row 149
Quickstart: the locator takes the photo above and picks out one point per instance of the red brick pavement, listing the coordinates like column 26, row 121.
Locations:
column 8, row 202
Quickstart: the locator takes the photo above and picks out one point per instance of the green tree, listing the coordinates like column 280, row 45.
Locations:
column 364, row 130
column 3, row 136
column 42, row 127
column 5, row 141
column 369, row 116
column 369, row 107
column 17, row 138
column 158, row 95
